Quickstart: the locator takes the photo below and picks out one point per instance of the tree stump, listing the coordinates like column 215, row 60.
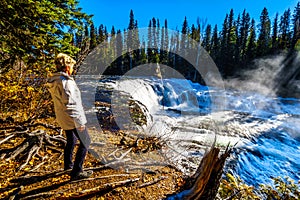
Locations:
column 204, row 184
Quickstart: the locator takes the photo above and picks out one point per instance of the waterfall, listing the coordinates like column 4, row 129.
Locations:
column 264, row 128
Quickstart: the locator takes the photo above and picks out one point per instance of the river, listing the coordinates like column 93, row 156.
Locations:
column 264, row 130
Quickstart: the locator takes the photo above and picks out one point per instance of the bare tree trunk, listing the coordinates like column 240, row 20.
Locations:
column 205, row 182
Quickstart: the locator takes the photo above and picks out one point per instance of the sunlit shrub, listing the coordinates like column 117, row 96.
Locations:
column 283, row 189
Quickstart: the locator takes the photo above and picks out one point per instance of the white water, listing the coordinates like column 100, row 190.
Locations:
column 189, row 116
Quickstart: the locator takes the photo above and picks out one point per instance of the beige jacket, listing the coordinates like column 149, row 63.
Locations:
column 67, row 101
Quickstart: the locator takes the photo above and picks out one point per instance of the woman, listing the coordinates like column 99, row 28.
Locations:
column 70, row 115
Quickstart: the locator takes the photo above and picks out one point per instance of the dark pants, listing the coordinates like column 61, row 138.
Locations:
column 72, row 136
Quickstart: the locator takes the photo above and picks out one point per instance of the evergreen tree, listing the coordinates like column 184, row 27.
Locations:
column 113, row 31
column 223, row 49
column 101, row 34
column 136, row 43
column 243, row 35
column 165, row 44
column 157, row 34
column 166, row 35
column 162, row 46
column 33, row 32
column 86, row 32
column 198, row 31
column 296, row 28
column 215, row 46
column 275, row 35
column 183, row 45
column 131, row 20
column 251, row 43
column 174, row 47
column 143, row 57
column 78, row 38
column 119, row 49
column 73, row 37
column 149, row 45
column 195, row 33
column 231, row 37
column 113, row 47
column 229, row 46
column 263, row 43
column 154, row 41
column 130, row 28
column 105, row 33
column 184, row 34
column 93, row 37
column 132, row 40
column 154, row 38
column 237, row 49
column 207, row 39
column 185, row 27
column 284, row 29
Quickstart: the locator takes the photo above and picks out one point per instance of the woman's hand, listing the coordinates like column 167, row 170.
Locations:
column 81, row 128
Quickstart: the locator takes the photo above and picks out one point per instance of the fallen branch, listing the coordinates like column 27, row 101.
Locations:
column 53, row 148
column 113, row 154
column 30, row 178
column 144, row 170
column 56, row 138
column 152, row 182
column 101, row 177
column 14, row 192
column 29, row 124
column 103, row 188
column 7, row 138
column 48, row 126
column 30, row 146
column 98, row 144
column 110, row 164
column 19, row 150
column 31, row 154
column 40, row 195
column 38, row 166
column 147, row 163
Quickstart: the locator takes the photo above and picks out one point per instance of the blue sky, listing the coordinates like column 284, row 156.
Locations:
column 117, row 12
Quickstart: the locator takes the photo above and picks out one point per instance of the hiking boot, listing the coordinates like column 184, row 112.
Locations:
column 82, row 175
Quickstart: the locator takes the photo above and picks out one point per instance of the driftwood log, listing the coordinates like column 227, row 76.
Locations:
column 33, row 142
column 204, row 184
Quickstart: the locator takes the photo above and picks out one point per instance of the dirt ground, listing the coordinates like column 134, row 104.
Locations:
column 120, row 176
